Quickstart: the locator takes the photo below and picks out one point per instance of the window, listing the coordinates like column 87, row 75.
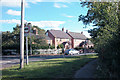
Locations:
column 60, row 40
column 88, row 47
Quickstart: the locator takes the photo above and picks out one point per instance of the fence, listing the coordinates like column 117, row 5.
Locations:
column 37, row 51
column 10, row 51
column 47, row 51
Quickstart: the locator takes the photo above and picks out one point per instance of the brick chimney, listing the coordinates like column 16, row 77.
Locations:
column 63, row 29
column 81, row 32
column 67, row 31
column 35, row 31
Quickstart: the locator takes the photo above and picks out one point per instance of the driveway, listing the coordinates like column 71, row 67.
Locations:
column 8, row 61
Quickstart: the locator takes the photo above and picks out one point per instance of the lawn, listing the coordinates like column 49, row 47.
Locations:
column 51, row 68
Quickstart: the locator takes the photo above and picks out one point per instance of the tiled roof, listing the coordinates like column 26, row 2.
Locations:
column 77, row 35
column 59, row 34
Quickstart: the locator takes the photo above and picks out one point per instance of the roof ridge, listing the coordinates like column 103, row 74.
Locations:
column 77, row 35
column 59, row 34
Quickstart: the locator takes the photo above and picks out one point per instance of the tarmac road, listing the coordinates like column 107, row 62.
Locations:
column 8, row 61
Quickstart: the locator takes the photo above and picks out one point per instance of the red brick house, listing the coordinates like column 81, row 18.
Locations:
column 48, row 40
column 59, row 37
column 68, row 39
column 78, row 39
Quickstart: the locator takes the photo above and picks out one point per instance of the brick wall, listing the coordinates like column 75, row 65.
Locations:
column 77, row 42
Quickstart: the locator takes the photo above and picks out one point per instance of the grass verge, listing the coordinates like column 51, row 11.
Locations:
column 51, row 68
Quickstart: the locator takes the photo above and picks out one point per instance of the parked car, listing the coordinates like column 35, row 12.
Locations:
column 71, row 51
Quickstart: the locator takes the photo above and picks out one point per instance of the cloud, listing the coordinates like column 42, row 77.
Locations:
column 86, row 34
column 13, row 12
column 42, row 24
column 51, row 24
column 12, row 3
column 35, row 1
column 10, row 21
column 65, row 15
column 59, row 5
column 17, row 3
column 55, row 28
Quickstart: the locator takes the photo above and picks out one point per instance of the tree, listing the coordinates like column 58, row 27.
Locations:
column 106, row 36
column 40, row 38
column 11, row 40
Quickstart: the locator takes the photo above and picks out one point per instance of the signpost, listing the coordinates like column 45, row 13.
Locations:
column 26, row 31
column 30, row 31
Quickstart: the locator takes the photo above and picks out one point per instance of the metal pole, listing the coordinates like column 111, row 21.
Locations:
column 22, row 36
column 30, row 38
column 26, row 50
column 30, row 45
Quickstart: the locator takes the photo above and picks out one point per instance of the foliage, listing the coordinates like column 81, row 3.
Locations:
column 37, row 46
column 79, row 48
column 52, row 47
column 106, row 35
column 60, row 46
column 11, row 40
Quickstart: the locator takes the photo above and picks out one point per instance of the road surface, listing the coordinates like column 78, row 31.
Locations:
column 8, row 61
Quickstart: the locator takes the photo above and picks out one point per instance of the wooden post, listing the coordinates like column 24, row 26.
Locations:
column 22, row 36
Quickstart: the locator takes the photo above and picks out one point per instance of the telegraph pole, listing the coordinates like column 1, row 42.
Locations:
column 22, row 36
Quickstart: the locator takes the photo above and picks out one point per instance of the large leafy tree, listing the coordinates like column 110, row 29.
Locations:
column 39, row 39
column 11, row 40
column 106, row 36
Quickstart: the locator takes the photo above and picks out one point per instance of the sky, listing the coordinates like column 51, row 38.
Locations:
column 46, row 15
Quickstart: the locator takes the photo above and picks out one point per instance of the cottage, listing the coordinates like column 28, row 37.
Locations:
column 59, row 37
column 79, row 39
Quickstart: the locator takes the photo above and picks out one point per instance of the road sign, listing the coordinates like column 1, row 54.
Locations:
column 27, row 29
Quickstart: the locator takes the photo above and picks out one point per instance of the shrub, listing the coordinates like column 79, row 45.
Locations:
column 37, row 46
column 79, row 48
column 60, row 46
column 52, row 47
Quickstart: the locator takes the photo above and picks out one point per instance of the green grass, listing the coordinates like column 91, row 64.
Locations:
column 51, row 68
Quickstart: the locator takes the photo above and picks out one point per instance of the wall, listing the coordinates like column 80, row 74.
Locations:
column 76, row 42
column 49, row 41
column 57, row 41
column 60, row 41
column 52, row 37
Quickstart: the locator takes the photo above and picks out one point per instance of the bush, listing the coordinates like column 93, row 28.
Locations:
column 79, row 48
column 35, row 52
column 52, row 47
column 36, row 46
column 60, row 46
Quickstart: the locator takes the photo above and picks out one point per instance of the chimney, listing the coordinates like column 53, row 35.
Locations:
column 63, row 29
column 81, row 32
column 67, row 31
